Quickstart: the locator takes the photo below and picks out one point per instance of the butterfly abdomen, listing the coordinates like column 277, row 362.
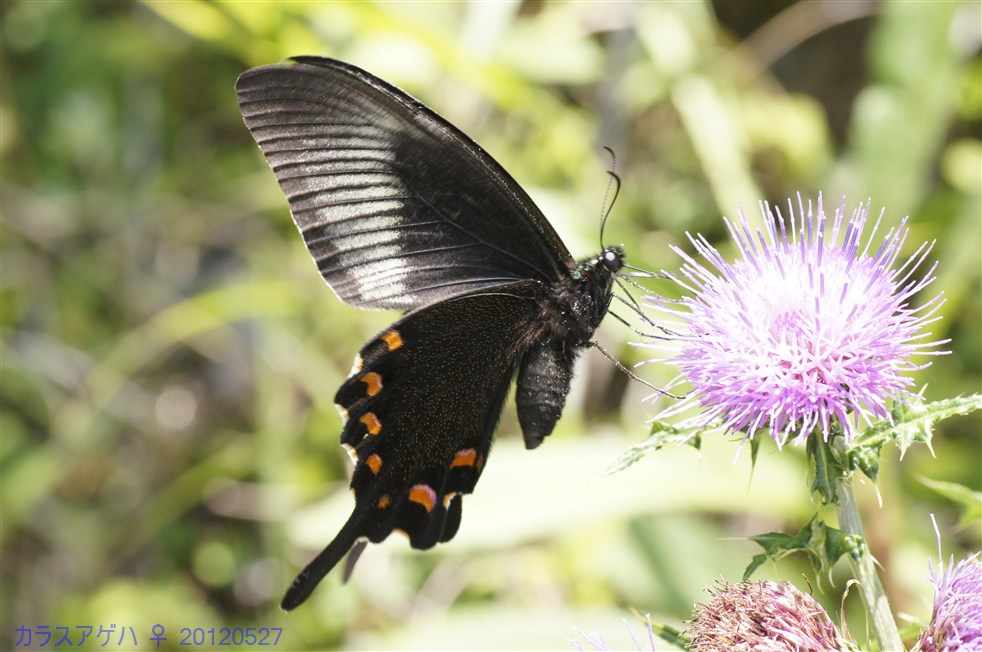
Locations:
column 541, row 388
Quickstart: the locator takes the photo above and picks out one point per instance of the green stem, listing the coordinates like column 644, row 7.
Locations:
column 874, row 597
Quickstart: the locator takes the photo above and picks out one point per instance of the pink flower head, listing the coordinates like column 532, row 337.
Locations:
column 808, row 325
column 753, row 616
column 956, row 623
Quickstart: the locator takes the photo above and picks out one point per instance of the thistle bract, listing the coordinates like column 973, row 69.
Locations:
column 812, row 324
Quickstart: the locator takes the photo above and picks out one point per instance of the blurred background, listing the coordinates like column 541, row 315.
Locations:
column 169, row 449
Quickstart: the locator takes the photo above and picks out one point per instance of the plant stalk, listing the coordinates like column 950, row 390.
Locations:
column 874, row 597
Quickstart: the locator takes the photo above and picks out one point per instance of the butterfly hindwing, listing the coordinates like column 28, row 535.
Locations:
column 397, row 206
column 421, row 405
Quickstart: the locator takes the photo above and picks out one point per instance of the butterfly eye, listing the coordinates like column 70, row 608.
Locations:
column 613, row 260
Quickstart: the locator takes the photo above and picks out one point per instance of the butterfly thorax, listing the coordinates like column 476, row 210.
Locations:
column 595, row 276
column 574, row 307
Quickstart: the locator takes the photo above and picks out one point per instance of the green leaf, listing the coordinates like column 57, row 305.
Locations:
column 754, row 564
column 828, row 469
column 970, row 501
column 839, row 543
column 776, row 545
column 754, row 450
column 910, row 422
column 661, row 435
column 823, row 544
column 909, row 427
column 915, row 420
column 866, row 459
column 668, row 634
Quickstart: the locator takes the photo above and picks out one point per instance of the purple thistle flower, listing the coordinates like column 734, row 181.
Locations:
column 804, row 328
column 956, row 622
column 762, row 616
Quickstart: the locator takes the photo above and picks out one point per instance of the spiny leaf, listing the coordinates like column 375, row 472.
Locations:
column 670, row 634
column 754, row 449
column 661, row 435
column 866, row 459
column 823, row 544
column 662, row 631
column 777, row 545
column 828, row 469
column 754, row 564
column 911, row 422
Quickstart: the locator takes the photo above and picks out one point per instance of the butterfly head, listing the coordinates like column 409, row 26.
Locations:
column 608, row 263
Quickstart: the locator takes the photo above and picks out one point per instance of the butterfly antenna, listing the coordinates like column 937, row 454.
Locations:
column 630, row 374
column 613, row 184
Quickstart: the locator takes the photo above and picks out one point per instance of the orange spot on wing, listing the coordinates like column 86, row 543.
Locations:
column 371, row 422
column 423, row 494
column 384, row 501
column 464, row 457
column 450, row 495
column 374, row 462
column 374, row 382
column 480, row 463
column 392, row 339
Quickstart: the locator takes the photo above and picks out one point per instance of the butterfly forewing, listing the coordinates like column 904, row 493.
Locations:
column 397, row 207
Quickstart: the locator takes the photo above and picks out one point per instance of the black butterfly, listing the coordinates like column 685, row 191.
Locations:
column 401, row 210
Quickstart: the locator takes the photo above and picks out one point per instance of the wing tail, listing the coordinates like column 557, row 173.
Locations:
column 315, row 571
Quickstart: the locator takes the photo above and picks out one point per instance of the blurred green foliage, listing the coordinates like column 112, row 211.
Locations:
column 169, row 450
